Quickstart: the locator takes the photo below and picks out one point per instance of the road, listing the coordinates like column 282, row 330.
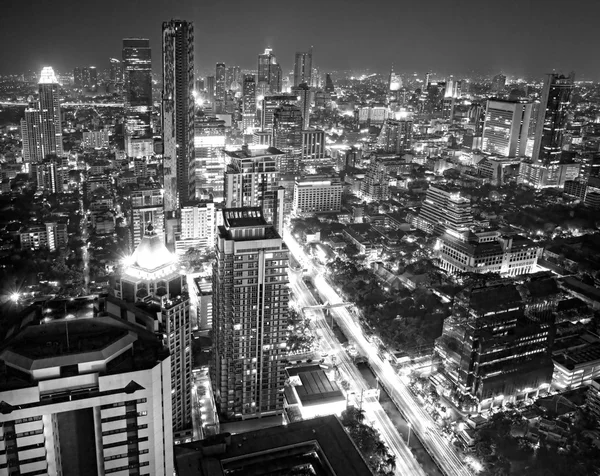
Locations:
column 84, row 248
column 421, row 422
column 374, row 413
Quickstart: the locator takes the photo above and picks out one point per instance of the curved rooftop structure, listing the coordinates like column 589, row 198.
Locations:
column 152, row 253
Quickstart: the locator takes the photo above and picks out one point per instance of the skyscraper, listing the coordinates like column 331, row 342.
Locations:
column 41, row 128
column 552, row 119
column 498, row 83
column 303, row 68
column 329, row 84
column 210, row 89
column 220, row 79
column 116, row 71
column 153, row 286
column 506, row 127
column 137, row 94
column 269, row 73
column 287, row 129
column 250, row 312
column 178, row 111
column 248, row 101
column 77, row 78
column 396, row 136
column 303, row 92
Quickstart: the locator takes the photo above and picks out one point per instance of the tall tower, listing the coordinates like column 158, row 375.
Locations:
column 506, row 127
column 41, row 128
column 303, row 68
column 269, row 73
column 552, row 119
column 250, row 312
column 248, row 101
column 137, row 94
column 303, row 93
column 220, row 79
column 152, row 282
column 178, row 111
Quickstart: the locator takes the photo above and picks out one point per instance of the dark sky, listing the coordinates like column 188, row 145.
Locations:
column 518, row 37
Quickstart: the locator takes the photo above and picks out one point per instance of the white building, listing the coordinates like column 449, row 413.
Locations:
column 317, row 193
column 96, row 139
column 85, row 396
column 197, row 227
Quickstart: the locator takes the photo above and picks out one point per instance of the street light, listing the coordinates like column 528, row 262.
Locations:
column 409, row 428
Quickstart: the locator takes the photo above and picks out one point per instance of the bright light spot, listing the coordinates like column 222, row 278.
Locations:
column 128, row 261
column 14, row 297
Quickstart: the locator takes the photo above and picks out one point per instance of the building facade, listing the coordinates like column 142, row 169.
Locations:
column 506, row 127
column 250, row 312
column 316, row 194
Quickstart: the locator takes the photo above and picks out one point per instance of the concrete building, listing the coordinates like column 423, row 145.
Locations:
column 197, row 227
column 576, row 367
column 146, row 209
column 52, row 236
column 151, row 293
column 250, row 306
column 252, row 180
column 85, row 396
column 317, row 193
column 208, row 167
column 506, row 127
column 96, row 139
column 444, row 209
column 395, row 136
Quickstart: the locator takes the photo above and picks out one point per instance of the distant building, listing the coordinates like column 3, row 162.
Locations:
column 51, row 236
column 313, row 146
column 395, row 136
column 250, row 306
column 303, row 68
column 269, row 73
column 220, row 87
column 85, row 396
column 96, row 139
column 208, row 168
column 197, row 227
column 317, row 193
column 146, row 209
column 498, row 83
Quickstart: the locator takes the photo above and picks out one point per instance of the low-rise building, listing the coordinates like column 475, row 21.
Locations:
column 577, row 367
column 317, row 194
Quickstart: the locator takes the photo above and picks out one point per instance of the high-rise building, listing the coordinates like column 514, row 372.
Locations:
column 269, row 73
column 491, row 350
column 395, row 136
column 250, row 312
column 313, row 146
column 208, row 168
column 552, row 119
column 137, row 95
column 116, row 71
column 268, row 106
column 197, row 227
column 329, row 88
column 220, row 82
column 498, row 83
column 303, row 68
column 444, row 209
column 506, row 128
column 85, row 396
column 252, row 180
column 248, row 102
column 233, row 78
column 304, row 101
column 317, row 194
column 41, row 128
column 85, row 77
column 93, row 78
column 178, row 111
column 152, row 282
column 287, row 129
column 210, row 89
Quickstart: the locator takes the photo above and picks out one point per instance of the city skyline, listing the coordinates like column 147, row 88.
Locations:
column 478, row 42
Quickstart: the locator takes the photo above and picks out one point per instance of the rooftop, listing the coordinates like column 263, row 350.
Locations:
column 317, row 389
column 250, row 152
column 278, row 448
column 244, row 217
column 582, row 356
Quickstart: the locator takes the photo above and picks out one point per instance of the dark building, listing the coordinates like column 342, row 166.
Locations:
column 498, row 83
column 490, row 349
column 303, row 68
column 220, row 87
column 178, row 111
column 329, row 84
column 269, row 73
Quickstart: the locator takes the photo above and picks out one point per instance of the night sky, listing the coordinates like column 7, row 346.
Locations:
column 517, row 37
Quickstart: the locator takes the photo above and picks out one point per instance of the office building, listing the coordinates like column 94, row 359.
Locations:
column 287, row 129
column 220, row 86
column 506, row 126
column 208, row 168
column 250, row 313
column 395, row 136
column 151, row 293
column 178, row 111
column 313, row 146
column 210, row 89
column 85, row 396
column 116, row 71
column 252, row 180
column 248, row 103
column 317, row 194
column 375, row 185
column 41, row 128
column 233, row 78
column 197, row 227
column 269, row 73
column 444, row 209
column 77, row 77
column 329, row 88
column 96, row 139
column 551, row 123
column 304, row 102
column 491, row 351
column 146, row 208
column 137, row 95
column 268, row 106
column 303, row 68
